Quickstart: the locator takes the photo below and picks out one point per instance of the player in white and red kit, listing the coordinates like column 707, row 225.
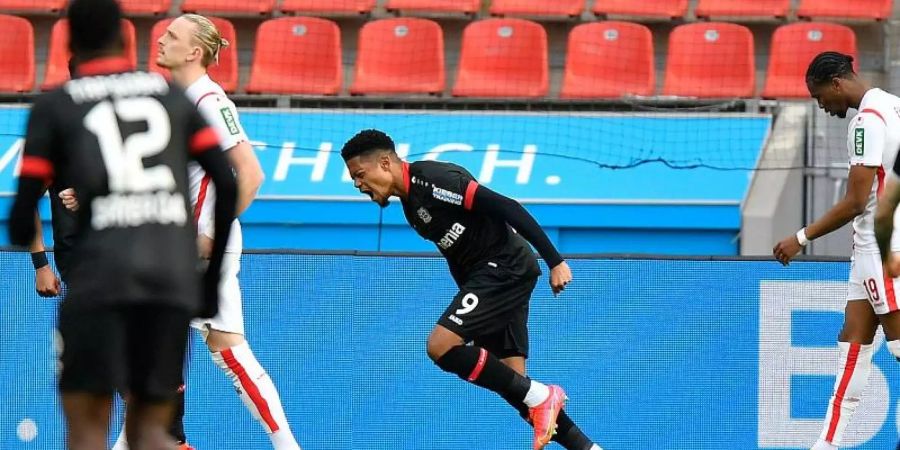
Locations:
column 872, row 142
column 190, row 44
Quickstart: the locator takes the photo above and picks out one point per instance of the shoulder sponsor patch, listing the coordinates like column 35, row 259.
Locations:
column 859, row 141
column 228, row 116
column 446, row 196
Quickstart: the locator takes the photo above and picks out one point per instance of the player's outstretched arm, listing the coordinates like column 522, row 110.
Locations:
column 513, row 213
column 859, row 186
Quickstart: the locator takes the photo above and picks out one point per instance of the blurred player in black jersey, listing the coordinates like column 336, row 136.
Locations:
column 494, row 267
column 122, row 140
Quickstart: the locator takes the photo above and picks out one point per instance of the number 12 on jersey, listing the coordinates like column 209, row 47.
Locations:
column 123, row 158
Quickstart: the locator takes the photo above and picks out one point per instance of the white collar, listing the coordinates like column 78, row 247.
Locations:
column 199, row 87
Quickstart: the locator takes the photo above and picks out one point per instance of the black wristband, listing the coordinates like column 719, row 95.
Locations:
column 39, row 259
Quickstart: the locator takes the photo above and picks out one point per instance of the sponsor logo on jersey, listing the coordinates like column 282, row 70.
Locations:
column 424, row 215
column 455, row 319
column 859, row 137
column 447, row 196
column 451, row 236
column 228, row 116
column 132, row 210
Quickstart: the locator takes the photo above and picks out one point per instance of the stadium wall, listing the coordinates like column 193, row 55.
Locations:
column 652, row 183
column 655, row 354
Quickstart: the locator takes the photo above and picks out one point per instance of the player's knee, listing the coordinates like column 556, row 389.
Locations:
column 436, row 349
column 218, row 341
column 857, row 334
column 440, row 341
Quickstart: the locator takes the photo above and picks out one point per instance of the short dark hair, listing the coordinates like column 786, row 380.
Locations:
column 94, row 26
column 827, row 66
column 367, row 141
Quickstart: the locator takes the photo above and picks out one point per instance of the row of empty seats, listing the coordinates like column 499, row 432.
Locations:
column 499, row 58
column 856, row 9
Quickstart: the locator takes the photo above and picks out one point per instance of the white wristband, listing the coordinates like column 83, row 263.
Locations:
column 801, row 237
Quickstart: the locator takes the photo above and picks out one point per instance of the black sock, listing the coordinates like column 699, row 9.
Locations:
column 521, row 407
column 569, row 435
column 177, row 427
column 477, row 366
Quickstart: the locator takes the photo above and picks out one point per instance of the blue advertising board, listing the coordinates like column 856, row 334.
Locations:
column 654, row 354
column 583, row 175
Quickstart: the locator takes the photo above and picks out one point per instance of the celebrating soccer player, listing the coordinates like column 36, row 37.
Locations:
column 494, row 267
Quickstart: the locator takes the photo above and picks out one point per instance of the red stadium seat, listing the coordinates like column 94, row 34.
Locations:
column 58, row 56
column 459, row 6
column 225, row 72
column 537, row 7
column 160, row 7
column 609, row 60
column 40, row 6
column 743, row 8
column 247, row 7
column 297, row 55
column 844, row 9
column 503, row 58
column 648, row 8
column 328, row 6
column 710, row 60
column 794, row 46
column 16, row 55
column 395, row 56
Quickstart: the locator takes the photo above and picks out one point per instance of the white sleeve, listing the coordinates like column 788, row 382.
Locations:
column 222, row 115
column 865, row 142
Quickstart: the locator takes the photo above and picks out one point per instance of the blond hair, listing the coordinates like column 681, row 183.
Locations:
column 208, row 37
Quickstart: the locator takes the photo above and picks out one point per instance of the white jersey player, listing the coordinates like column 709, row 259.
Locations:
column 190, row 44
column 872, row 143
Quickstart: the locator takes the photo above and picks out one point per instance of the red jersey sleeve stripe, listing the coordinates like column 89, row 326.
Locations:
column 870, row 110
column 36, row 167
column 469, row 199
column 204, row 140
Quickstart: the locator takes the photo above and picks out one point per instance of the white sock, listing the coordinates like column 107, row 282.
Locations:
column 283, row 439
column 854, row 366
column 822, row 445
column 121, row 442
column 536, row 395
column 257, row 392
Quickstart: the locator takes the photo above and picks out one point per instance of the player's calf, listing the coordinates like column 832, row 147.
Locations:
column 852, row 378
column 257, row 392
